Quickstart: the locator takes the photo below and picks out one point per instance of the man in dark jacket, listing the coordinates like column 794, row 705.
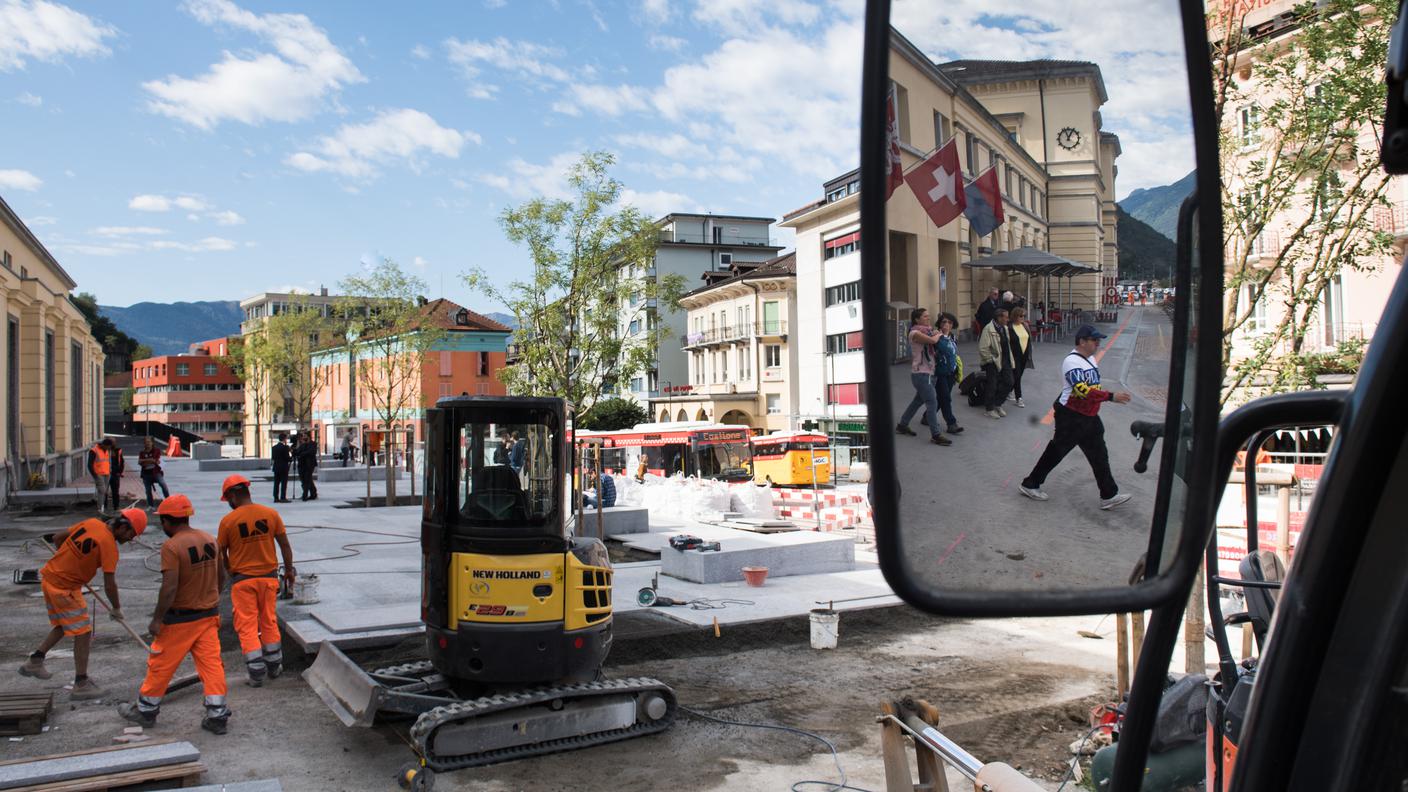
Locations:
column 115, row 481
column 987, row 309
column 283, row 457
column 307, row 454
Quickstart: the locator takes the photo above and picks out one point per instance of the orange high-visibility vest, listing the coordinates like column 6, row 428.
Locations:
column 101, row 465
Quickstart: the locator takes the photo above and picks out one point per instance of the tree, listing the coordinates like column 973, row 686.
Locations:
column 119, row 348
column 611, row 414
column 1300, row 119
column 390, row 330
column 251, row 358
column 294, row 334
column 590, row 259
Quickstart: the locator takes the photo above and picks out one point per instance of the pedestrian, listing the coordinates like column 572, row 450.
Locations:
column 307, row 453
column 1009, row 301
column 1077, row 412
column 246, row 540
column 501, row 450
column 986, row 309
column 119, row 467
column 948, row 370
column 149, row 460
column 995, row 355
column 283, row 459
column 922, row 339
column 1020, row 336
column 79, row 552
column 100, row 468
column 346, row 451
column 644, row 467
column 186, row 620
column 518, row 448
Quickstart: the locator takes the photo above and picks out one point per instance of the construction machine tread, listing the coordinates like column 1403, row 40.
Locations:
column 422, row 733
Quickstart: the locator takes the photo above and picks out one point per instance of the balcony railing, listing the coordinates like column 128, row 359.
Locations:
column 732, row 333
column 700, row 239
column 1392, row 219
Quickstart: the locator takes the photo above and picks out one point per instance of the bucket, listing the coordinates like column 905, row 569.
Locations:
column 755, row 575
column 305, row 590
column 826, row 628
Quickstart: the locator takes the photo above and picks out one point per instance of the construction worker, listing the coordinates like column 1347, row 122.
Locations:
column 246, row 540
column 78, row 553
column 100, row 468
column 186, row 620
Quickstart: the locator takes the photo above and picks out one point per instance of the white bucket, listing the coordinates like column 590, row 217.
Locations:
column 826, row 628
column 305, row 590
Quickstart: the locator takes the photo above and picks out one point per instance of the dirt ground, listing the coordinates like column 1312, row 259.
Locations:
column 1015, row 690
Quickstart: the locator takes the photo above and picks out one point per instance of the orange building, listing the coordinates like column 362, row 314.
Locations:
column 195, row 392
column 466, row 361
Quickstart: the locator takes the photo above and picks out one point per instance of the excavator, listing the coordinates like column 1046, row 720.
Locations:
column 517, row 610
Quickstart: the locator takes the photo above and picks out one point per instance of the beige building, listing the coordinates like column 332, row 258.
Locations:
column 275, row 408
column 742, row 365
column 1039, row 124
column 52, row 395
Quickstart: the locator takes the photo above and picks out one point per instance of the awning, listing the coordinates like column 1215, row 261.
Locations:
column 1030, row 261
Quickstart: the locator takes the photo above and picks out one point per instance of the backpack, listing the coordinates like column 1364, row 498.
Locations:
column 972, row 387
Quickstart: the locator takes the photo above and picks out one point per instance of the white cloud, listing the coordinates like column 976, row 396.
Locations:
column 48, row 32
column 189, row 203
column 603, row 99
column 745, row 17
column 523, row 59
column 41, row 220
column 122, row 231
column 20, row 180
column 421, row 52
column 356, row 150
column 161, row 203
column 227, row 218
column 495, row 3
column 419, row 263
column 207, row 245
column 663, row 43
column 29, row 99
column 288, row 86
column 674, row 146
column 658, row 203
column 527, row 180
column 656, row 11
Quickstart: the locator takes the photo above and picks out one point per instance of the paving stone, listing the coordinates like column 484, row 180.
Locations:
column 45, row 771
column 265, row 785
column 364, row 619
column 616, row 520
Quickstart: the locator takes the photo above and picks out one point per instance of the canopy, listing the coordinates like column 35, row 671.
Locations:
column 1030, row 261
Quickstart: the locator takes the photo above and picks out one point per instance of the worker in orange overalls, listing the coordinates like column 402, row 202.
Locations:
column 246, row 540
column 186, row 620
column 79, row 552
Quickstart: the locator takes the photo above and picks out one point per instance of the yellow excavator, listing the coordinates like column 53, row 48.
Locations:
column 517, row 610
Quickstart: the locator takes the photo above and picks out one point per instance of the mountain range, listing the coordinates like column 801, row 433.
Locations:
column 1158, row 206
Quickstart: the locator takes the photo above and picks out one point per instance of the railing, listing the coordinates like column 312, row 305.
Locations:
column 1392, row 219
column 734, row 332
column 700, row 239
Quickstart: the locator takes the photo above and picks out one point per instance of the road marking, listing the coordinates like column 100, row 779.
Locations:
column 950, row 549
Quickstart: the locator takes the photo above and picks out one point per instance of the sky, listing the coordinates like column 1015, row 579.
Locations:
column 215, row 149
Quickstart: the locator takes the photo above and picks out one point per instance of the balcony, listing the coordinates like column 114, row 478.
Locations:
column 733, row 333
column 1393, row 219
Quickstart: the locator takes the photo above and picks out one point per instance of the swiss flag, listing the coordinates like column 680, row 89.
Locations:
column 892, row 147
column 984, row 208
column 938, row 184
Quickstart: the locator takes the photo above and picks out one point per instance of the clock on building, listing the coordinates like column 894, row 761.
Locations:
column 1068, row 138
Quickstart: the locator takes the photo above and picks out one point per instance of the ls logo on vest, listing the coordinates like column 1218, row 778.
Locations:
column 261, row 528
column 84, row 546
column 206, row 553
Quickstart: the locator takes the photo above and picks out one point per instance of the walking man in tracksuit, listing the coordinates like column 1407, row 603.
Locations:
column 186, row 620
column 1077, row 412
column 246, row 540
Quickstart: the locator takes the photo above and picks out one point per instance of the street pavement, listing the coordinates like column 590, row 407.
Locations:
column 965, row 525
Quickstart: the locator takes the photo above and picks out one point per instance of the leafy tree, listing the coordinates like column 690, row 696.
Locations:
column 126, row 403
column 294, row 334
column 251, row 358
column 1301, row 123
column 119, row 348
column 590, row 258
column 390, row 330
column 611, row 414
column 142, row 352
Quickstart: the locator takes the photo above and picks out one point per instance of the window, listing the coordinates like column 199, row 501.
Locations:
column 841, row 343
column 446, row 363
column 846, row 393
column 1249, row 124
column 75, row 395
column 183, row 369
column 652, row 381
column 841, row 245
column 48, row 392
column 1257, row 321
column 1022, row 197
column 774, row 404
column 836, row 194
column 698, row 368
column 846, row 292
column 772, row 355
column 723, row 364
column 725, row 259
column 9, row 264
column 12, row 382
column 718, row 235
column 1010, row 173
column 634, row 327
column 901, row 97
column 943, row 129
column 210, row 369
column 637, row 384
column 483, row 364
column 745, row 363
column 772, row 325
column 970, row 152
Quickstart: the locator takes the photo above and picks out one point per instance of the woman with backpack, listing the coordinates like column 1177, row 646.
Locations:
column 922, row 342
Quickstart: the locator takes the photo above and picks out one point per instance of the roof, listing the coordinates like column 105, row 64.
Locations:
column 784, row 266
column 1030, row 261
column 442, row 312
column 984, row 72
column 706, row 215
column 22, row 231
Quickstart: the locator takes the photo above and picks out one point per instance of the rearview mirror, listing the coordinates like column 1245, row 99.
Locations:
column 1044, row 465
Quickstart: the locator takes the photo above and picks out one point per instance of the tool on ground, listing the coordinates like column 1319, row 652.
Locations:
column 684, row 542
column 517, row 610
column 27, row 576
column 650, row 596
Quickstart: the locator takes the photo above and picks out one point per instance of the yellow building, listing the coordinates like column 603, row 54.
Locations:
column 52, row 394
column 1039, row 124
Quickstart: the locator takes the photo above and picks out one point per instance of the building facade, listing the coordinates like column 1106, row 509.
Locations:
column 691, row 246
column 466, row 361
column 268, row 409
column 195, row 392
column 741, row 364
column 52, row 395
column 1038, row 124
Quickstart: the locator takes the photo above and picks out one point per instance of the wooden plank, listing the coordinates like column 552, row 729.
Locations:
column 892, row 750
column 84, row 752
column 42, row 770
column 1121, row 656
column 931, row 768
column 188, row 773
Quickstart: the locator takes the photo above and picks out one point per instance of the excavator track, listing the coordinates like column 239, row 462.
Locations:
column 558, row 717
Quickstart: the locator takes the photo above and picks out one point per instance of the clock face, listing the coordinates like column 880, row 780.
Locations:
column 1068, row 138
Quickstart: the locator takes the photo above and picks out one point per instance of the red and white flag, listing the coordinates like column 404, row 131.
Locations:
column 938, row 184
column 892, row 147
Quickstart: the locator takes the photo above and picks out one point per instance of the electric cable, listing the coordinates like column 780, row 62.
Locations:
column 1071, row 771
column 835, row 757
column 706, row 603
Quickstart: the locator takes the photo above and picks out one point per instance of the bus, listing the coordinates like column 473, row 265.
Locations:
column 798, row 458
column 705, row 450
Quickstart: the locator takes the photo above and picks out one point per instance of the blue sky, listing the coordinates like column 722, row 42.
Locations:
column 213, row 149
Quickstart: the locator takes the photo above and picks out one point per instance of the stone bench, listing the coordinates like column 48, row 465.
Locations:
column 251, row 463
column 329, row 474
column 784, row 554
column 54, row 496
column 615, row 520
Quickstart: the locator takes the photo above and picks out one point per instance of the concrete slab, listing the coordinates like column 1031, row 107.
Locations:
column 266, row 785
column 310, row 634
column 117, row 760
column 784, row 554
column 615, row 520
column 54, row 496
column 331, row 474
column 364, row 619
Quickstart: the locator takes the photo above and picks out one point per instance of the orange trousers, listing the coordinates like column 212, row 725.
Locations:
column 67, row 609
column 257, row 622
column 201, row 640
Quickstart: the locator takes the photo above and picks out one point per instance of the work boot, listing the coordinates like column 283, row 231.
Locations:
column 130, row 712
column 939, row 439
column 86, row 690
column 255, row 681
column 35, row 668
column 215, row 725
column 275, row 669
column 904, row 429
column 1001, row 413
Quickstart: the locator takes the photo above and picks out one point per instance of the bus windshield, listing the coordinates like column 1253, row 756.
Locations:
column 722, row 460
column 507, row 475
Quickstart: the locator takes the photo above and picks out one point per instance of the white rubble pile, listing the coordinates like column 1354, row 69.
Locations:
column 693, row 497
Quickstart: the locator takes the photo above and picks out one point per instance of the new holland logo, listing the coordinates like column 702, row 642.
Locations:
column 511, row 574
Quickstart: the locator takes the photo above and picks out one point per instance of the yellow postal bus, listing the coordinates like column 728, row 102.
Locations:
column 791, row 459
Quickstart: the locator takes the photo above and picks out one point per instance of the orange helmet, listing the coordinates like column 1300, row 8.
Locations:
column 137, row 518
column 176, row 506
column 232, row 480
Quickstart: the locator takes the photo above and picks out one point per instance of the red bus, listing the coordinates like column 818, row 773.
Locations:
column 714, row 451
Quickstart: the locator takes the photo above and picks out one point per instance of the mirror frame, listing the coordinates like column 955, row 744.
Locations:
column 1157, row 588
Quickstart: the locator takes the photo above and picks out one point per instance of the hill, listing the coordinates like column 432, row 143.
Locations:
column 504, row 319
column 170, row 328
column 1158, row 206
column 1145, row 254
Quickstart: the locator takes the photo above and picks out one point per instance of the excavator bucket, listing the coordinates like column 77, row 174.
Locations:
column 348, row 691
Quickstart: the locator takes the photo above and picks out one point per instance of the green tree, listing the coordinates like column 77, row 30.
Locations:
column 119, row 348
column 1301, row 118
column 294, row 334
column 611, row 414
column 589, row 281
column 390, row 329
column 251, row 357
